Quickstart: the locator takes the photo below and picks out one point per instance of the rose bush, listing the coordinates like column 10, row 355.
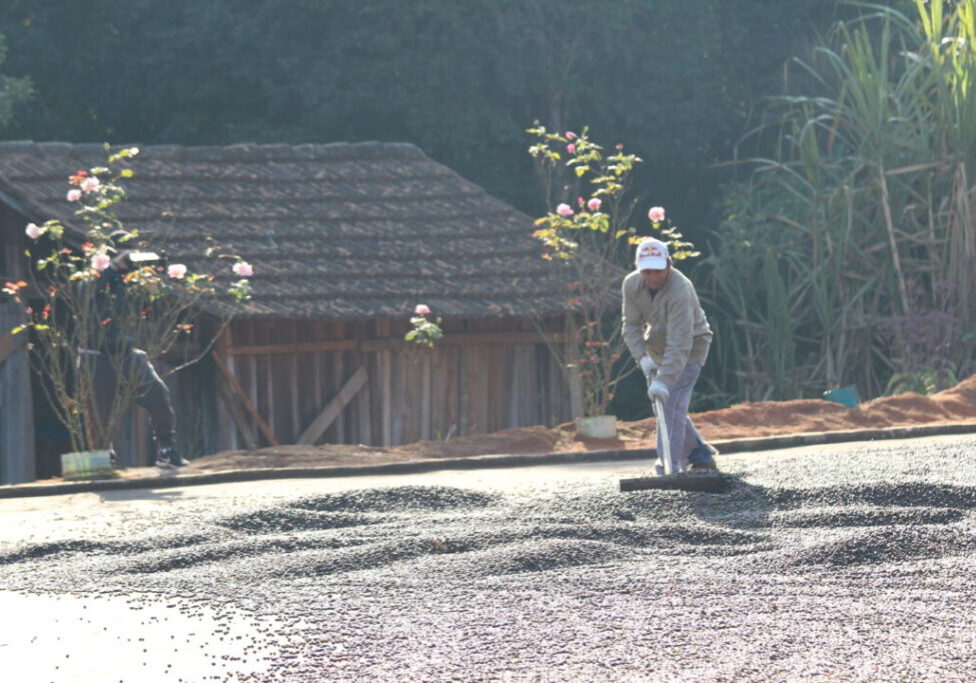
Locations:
column 164, row 302
column 423, row 332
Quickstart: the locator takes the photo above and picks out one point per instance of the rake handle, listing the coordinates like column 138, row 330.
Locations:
column 662, row 427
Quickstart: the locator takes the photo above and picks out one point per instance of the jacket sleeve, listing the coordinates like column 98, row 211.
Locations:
column 681, row 320
column 633, row 323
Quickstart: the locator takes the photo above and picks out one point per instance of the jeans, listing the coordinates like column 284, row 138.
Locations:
column 152, row 393
column 684, row 436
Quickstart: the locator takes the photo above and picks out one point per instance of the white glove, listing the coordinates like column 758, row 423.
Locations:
column 647, row 365
column 658, row 391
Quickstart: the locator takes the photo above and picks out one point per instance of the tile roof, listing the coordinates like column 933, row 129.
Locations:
column 334, row 231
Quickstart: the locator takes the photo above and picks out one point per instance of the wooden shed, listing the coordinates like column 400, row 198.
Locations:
column 345, row 240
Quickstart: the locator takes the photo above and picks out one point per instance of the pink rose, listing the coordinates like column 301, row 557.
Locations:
column 656, row 214
column 594, row 204
column 100, row 261
column 90, row 184
column 34, row 231
column 569, row 135
column 176, row 271
column 564, row 210
column 571, row 148
column 74, row 195
column 421, row 309
column 243, row 269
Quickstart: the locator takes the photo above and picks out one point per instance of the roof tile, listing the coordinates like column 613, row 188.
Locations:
column 335, row 231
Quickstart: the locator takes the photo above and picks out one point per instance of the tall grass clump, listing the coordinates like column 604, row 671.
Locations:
column 848, row 255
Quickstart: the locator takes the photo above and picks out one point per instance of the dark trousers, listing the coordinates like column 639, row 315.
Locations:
column 151, row 392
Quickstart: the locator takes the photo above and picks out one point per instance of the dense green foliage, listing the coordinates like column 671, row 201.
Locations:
column 848, row 256
column 13, row 91
column 674, row 80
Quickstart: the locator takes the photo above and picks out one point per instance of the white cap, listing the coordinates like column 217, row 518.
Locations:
column 652, row 254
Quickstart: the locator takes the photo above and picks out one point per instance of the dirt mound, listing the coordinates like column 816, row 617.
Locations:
column 745, row 420
column 790, row 417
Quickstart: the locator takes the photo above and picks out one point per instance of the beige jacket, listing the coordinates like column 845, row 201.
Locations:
column 669, row 326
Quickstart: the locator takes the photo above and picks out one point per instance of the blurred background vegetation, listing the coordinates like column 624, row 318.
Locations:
column 810, row 279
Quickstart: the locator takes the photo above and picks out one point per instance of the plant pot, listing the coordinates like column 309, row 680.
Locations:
column 598, row 426
column 87, row 465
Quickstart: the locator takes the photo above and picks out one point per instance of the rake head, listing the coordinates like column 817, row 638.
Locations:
column 708, row 482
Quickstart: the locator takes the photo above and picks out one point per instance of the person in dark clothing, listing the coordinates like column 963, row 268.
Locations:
column 116, row 358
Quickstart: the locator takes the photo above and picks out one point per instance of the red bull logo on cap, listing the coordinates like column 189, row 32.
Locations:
column 651, row 251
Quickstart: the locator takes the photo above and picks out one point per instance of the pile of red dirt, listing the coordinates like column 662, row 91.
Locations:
column 746, row 420
column 787, row 417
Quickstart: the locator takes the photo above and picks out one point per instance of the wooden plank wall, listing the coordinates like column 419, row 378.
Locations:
column 16, row 402
column 481, row 381
column 17, row 463
column 454, row 390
